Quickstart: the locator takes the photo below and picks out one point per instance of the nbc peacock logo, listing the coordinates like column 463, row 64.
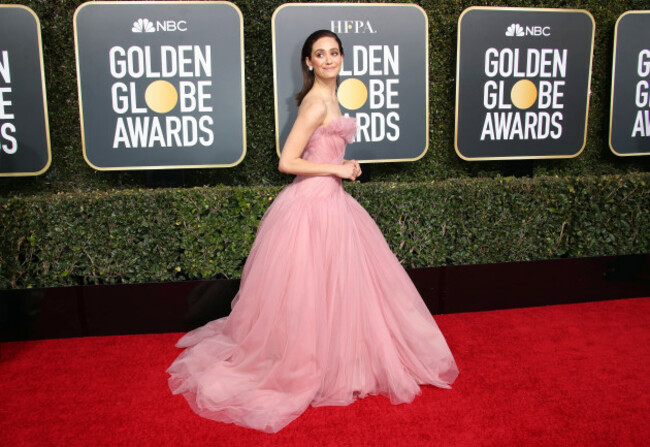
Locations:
column 143, row 26
column 515, row 30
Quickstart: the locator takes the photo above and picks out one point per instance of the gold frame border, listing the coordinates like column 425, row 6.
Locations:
column 591, row 61
column 243, row 79
column 611, row 97
column 45, row 110
column 392, row 5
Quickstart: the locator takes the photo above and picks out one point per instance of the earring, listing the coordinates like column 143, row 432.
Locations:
column 311, row 68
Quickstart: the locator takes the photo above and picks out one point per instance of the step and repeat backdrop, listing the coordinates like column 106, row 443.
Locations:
column 630, row 112
column 383, row 80
column 161, row 84
column 523, row 80
column 24, row 134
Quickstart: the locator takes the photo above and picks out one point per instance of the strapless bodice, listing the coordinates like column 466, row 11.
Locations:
column 327, row 143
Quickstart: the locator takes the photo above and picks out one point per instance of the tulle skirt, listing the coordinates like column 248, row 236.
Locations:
column 325, row 314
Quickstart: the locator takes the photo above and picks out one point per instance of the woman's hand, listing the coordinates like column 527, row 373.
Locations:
column 350, row 170
column 357, row 167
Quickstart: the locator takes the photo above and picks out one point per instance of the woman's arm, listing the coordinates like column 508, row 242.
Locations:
column 310, row 116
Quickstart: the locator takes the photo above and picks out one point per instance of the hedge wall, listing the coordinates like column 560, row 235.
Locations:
column 171, row 234
column 69, row 171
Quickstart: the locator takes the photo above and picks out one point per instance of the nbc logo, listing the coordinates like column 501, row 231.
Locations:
column 515, row 30
column 143, row 26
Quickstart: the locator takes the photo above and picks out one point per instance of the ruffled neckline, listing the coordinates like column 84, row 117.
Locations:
column 345, row 126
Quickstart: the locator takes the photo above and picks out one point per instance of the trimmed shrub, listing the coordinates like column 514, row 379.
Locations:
column 202, row 233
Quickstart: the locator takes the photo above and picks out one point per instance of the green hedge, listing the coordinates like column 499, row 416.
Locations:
column 69, row 172
column 201, row 233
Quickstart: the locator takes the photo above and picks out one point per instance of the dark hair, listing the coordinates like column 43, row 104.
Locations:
column 307, row 75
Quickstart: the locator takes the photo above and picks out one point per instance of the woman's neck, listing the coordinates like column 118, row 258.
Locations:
column 326, row 88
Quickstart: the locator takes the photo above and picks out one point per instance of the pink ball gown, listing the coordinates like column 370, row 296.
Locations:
column 325, row 313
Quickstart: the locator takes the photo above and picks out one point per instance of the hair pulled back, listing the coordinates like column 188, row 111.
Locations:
column 307, row 75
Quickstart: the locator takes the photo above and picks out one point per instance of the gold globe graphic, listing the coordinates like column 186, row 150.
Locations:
column 161, row 96
column 352, row 94
column 523, row 94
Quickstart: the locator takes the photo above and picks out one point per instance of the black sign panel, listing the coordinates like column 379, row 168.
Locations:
column 522, row 85
column 629, row 129
column 160, row 84
column 24, row 134
column 383, row 80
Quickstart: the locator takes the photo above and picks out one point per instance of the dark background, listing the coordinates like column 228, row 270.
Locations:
column 482, row 29
column 633, row 36
column 18, row 36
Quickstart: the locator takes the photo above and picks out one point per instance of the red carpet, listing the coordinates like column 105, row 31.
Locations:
column 560, row 375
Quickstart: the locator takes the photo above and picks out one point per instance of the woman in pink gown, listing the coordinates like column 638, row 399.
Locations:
column 325, row 312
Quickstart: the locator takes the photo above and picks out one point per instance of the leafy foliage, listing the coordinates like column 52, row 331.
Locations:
column 134, row 236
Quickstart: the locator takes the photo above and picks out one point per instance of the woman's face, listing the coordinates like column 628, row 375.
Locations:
column 325, row 58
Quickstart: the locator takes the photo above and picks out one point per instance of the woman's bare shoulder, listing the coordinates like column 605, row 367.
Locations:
column 313, row 110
